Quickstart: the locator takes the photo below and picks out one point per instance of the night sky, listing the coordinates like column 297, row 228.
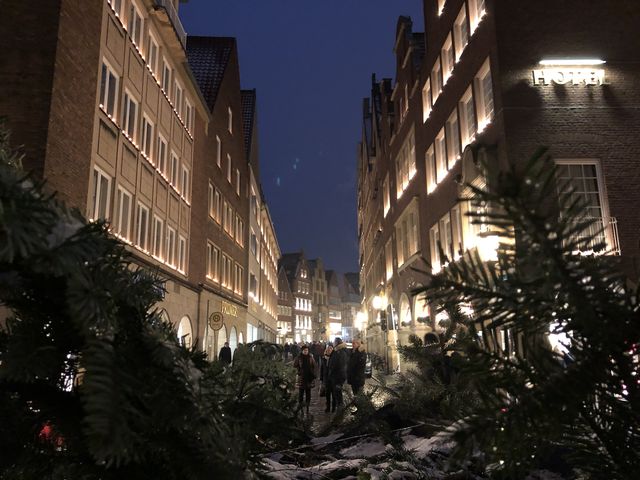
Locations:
column 311, row 62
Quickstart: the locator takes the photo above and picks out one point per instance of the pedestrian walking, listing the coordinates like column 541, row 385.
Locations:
column 287, row 348
column 295, row 350
column 337, row 369
column 305, row 380
column 225, row 354
column 324, row 377
column 355, row 367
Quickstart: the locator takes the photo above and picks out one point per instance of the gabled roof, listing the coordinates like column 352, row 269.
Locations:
column 248, row 100
column 208, row 58
column 289, row 262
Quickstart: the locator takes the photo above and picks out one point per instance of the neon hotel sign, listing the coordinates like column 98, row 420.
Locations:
column 575, row 72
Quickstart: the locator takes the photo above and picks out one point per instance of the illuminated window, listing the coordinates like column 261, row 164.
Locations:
column 228, row 168
column 461, row 32
column 441, row 6
column 386, row 197
column 407, row 234
column 230, row 120
column 182, row 254
column 441, row 156
column 476, row 12
column 147, row 136
column 426, row 100
column 173, row 177
column 171, row 246
column 217, row 206
column 177, row 97
column 447, row 59
column 152, row 59
column 218, row 151
column 142, row 227
column 116, row 5
column 239, row 274
column 161, row 155
column 405, row 164
column 123, row 221
column 188, row 115
column 456, row 230
column 239, row 234
column 101, row 195
column 166, row 76
column 134, row 25
column 468, row 123
column 213, row 261
column 185, row 184
column 253, row 244
column 579, row 181
column 130, row 115
column 436, row 80
column 237, row 182
column 453, row 139
column 484, row 96
column 253, row 285
column 210, row 197
column 430, row 167
column 158, row 231
column 388, row 256
column 108, row 89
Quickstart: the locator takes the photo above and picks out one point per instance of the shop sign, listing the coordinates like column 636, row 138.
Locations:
column 216, row 320
column 564, row 76
column 229, row 309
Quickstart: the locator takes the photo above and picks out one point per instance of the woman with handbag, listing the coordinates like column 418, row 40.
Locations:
column 326, row 389
column 305, row 380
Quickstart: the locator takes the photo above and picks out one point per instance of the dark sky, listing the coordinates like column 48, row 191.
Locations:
column 311, row 62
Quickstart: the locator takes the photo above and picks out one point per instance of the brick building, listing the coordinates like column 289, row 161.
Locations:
column 497, row 79
column 131, row 123
column 320, row 305
column 296, row 268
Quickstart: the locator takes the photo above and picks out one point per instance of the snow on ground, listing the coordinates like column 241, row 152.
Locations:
column 365, row 449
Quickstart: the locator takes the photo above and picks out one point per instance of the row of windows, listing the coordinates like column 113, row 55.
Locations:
column 171, row 86
column 407, row 235
column 153, row 145
column 461, row 127
column 221, row 211
column 229, row 164
column 304, row 287
column 446, row 234
column 223, row 270
column 450, row 53
column 405, row 165
column 284, row 311
column 303, row 304
column 158, row 238
column 303, row 322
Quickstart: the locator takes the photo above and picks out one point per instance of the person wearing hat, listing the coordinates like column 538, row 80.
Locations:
column 337, row 372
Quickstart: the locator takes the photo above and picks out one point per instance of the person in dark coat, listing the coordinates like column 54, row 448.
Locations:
column 287, row 347
column 225, row 354
column 295, row 350
column 324, row 376
column 355, row 367
column 305, row 380
column 337, row 370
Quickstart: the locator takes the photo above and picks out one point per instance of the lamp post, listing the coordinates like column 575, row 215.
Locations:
column 379, row 303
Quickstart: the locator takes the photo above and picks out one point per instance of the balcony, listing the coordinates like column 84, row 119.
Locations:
column 600, row 230
column 172, row 13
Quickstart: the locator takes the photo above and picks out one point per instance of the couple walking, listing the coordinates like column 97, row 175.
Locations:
column 339, row 365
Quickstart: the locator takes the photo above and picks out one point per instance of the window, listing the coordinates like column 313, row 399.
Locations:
column 407, row 234
column 184, row 184
column 446, row 238
column 230, row 120
column 116, row 6
column 134, row 26
column 210, row 197
column 253, row 244
column 182, row 254
column 171, row 246
column 484, row 96
column 388, row 256
column 467, row 118
column 147, row 136
column 153, row 54
column 218, row 151
column 237, row 182
column 426, row 100
column 158, row 227
column 239, row 231
column 239, row 273
column 583, row 177
column 461, row 32
column 430, row 167
column 173, row 172
column 228, row 168
column 217, row 206
column 226, row 272
column 123, row 222
column 142, row 238
column 177, row 98
column 101, row 194
column 129, row 117
column 188, row 115
column 386, row 197
column 166, row 76
column 405, row 164
column 440, row 6
column 453, row 139
column 447, row 59
column 476, row 12
column 456, row 231
column 213, row 260
column 108, row 89
column 161, row 155
column 441, row 156
column 436, row 80
column 253, row 286
column 434, row 240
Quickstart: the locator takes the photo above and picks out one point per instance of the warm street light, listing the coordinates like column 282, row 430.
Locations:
column 379, row 302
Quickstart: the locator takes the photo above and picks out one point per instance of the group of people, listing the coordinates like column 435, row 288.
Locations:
column 337, row 365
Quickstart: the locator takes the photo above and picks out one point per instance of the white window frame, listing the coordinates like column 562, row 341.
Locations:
column 219, row 152
column 230, row 119
column 178, row 92
column 130, row 125
column 229, row 168
column 142, row 234
column 485, row 110
column 461, row 32
column 153, row 54
column 441, row 7
column 468, row 126
column 182, row 254
column 188, row 115
column 161, row 154
column 430, row 167
column 135, row 28
column 108, row 96
column 116, row 6
column 174, row 169
column 440, row 149
column 476, row 13
column 239, row 231
column 101, row 201
column 123, row 221
column 237, row 182
column 217, row 205
column 452, row 126
column 386, row 195
column 185, row 184
column 146, row 143
column 434, row 239
column 171, row 246
column 166, row 76
column 426, row 100
column 448, row 60
column 436, row 80
column 158, row 237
